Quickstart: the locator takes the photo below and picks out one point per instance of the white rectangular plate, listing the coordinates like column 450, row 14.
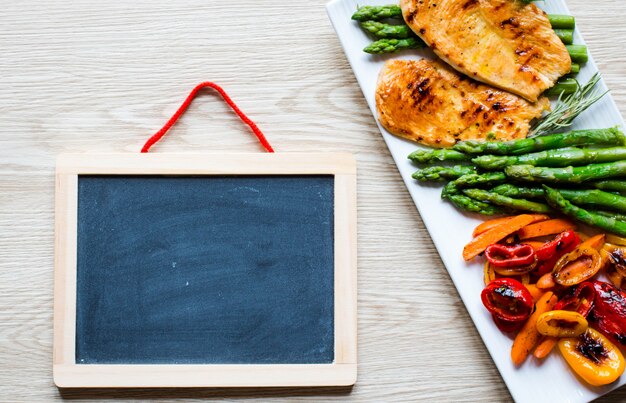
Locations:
column 552, row 381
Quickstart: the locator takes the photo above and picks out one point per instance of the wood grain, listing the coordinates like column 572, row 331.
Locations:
column 82, row 76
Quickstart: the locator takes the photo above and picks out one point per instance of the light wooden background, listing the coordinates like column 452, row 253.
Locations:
column 102, row 76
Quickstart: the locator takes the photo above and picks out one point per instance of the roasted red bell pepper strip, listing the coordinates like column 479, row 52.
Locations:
column 552, row 251
column 508, row 299
column 510, row 256
column 579, row 299
column 609, row 311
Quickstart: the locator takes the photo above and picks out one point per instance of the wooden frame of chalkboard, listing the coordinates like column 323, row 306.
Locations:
column 343, row 368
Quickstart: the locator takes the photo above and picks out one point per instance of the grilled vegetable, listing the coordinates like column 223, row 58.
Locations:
column 499, row 200
column 559, row 323
column 486, row 225
column 548, row 227
column 565, row 86
column 580, row 299
column 580, row 264
column 593, row 357
column 507, row 299
column 561, row 157
column 473, row 206
column 437, row 173
column 591, row 197
column 565, row 35
column 443, row 154
column 561, row 21
column 528, row 337
column 510, row 256
column 377, row 13
column 556, row 200
column 472, row 180
column 611, row 184
column 578, row 53
column 549, row 253
column 567, row 175
column 391, row 45
column 609, row 311
column 382, row 30
column 481, row 242
column 609, row 136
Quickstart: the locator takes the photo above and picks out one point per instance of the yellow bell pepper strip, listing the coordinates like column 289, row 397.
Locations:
column 488, row 273
column 617, row 240
column 580, row 264
column 610, row 271
column 528, row 337
column 495, row 234
column 615, row 257
column 561, row 323
column 593, row 357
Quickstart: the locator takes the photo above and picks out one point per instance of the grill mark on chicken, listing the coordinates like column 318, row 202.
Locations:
column 429, row 102
column 504, row 43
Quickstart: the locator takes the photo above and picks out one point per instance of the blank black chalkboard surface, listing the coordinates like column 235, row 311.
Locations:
column 187, row 270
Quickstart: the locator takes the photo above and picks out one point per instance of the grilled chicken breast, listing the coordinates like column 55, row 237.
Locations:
column 429, row 102
column 504, row 43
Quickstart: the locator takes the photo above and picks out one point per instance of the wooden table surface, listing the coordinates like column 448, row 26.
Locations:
column 103, row 76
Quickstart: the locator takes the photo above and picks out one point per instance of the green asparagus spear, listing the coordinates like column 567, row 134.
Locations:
column 575, row 69
column 377, row 13
column 610, row 136
column 438, row 173
column 472, row 180
column 565, row 35
column 593, row 197
column 565, row 86
column 518, row 192
column 616, row 185
column 443, row 154
column 562, row 21
column 556, row 200
column 611, row 214
column 474, row 206
column 566, row 175
column 561, row 157
column 578, row 53
column 596, row 198
column 382, row 30
column 393, row 45
column 499, row 200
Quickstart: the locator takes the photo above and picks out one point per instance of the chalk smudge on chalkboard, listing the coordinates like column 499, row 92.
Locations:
column 234, row 269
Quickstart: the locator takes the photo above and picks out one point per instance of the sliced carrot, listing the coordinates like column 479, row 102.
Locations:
column 529, row 336
column 535, row 291
column 549, row 227
column 596, row 242
column 493, row 235
column 487, row 225
column 544, row 348
column 546, row 281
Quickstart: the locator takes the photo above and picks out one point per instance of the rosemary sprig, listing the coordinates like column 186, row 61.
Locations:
column 567, row 109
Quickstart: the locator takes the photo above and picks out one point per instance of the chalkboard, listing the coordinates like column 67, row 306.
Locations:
column 204, row 269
